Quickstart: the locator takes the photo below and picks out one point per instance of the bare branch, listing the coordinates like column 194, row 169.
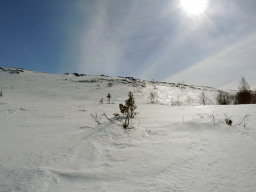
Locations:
column 108, row 118
column 95, row 118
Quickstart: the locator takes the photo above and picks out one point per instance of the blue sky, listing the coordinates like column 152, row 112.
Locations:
column 147, row 39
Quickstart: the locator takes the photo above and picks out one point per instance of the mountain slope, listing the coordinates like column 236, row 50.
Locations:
column 49, row 142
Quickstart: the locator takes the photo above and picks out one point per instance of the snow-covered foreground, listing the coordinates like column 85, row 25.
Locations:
column 49, row 142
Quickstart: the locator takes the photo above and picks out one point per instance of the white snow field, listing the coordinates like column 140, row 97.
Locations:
column 49, row 141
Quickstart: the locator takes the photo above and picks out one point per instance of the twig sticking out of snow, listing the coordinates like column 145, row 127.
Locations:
column 242, row 121
column 108, row 118
column 214, row 116
column 96, row 118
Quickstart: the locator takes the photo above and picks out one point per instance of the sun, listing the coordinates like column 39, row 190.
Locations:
column 194, row 7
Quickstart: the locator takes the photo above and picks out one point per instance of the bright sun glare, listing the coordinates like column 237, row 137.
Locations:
column 194, row 7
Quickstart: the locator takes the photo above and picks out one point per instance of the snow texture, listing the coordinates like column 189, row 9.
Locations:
column 49, row 142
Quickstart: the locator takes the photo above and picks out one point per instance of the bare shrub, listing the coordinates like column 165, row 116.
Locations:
column 214, row 117
column 228, row 120
column 223, row 98
column 108, row 118
column 176, row 102
column 110, row 84
column 1, row 93
column 203, row 98
column 242, row 122
column 153, row 97
column 96, row 118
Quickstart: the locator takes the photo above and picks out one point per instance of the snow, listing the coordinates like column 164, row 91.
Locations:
column 49, row 142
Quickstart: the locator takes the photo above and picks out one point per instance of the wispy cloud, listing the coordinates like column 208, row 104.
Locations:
column 155, row 39
column 225, row 68
column 101, row 45
column 107, row 40
column 121, row 36
column 148, row 39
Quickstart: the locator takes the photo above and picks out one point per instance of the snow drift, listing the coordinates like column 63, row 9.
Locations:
column 49, row 142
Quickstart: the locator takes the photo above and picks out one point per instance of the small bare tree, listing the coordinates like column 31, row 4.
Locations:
column 153, row 97
column 243, row 120
column 244, row 86
column 176, row 102
column 214, row 117
column 223, row 98
column 244, row 95
column 203, row 98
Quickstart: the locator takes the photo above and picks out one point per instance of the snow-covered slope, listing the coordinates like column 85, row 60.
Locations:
column 49, row 142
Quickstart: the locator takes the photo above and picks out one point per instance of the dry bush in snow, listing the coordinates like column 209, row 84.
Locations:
column 223, row 98
column 228, row 120
column 110, row 84
column 203, row 97
column 96, row 118
column 153, row 97
column 176, row 102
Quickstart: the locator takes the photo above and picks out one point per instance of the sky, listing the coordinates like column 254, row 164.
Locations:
column 147, row 39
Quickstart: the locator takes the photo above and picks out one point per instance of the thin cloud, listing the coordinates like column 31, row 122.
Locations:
column 225, row 68
column 152, row 39
column 122, row 34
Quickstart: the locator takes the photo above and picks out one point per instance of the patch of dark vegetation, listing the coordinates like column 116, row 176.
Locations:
column 111, row 81
column 131, row 81
column 12, row 70
column 244, row 95
column 88, row 81
column 131, row 78
column 102, row 75
column 79, row 75
column 224, row 98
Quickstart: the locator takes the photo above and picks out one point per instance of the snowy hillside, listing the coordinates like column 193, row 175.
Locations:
column 50, row 142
